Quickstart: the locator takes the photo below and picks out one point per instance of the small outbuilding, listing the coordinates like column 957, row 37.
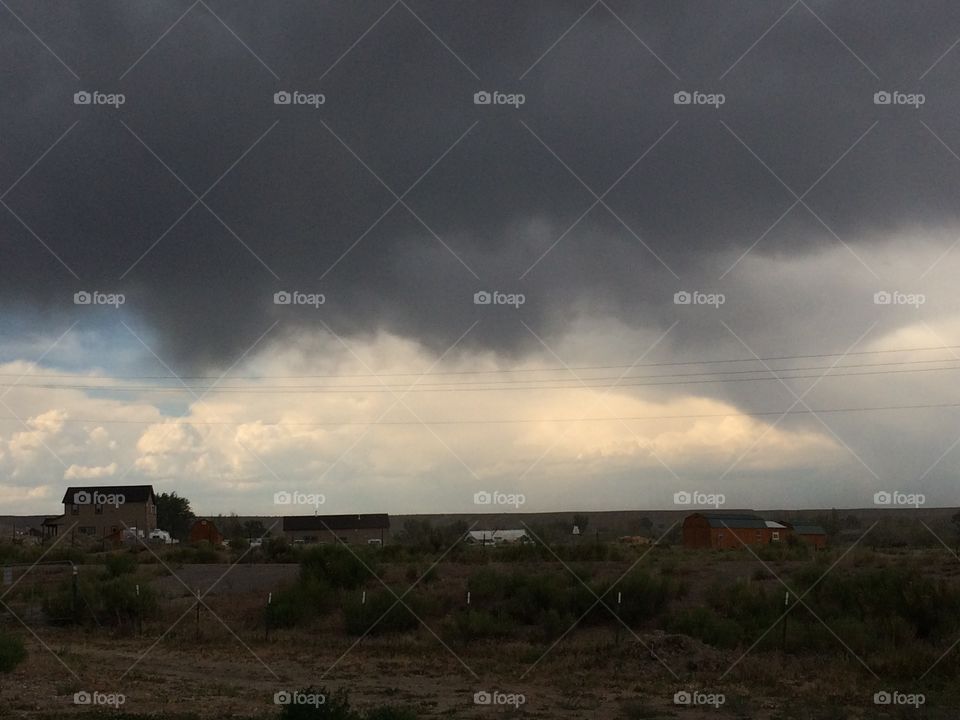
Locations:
column 812, row 534
column 204, row 529
column 725, row 530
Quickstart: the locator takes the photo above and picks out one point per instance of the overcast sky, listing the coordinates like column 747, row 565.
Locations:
column 792, row 169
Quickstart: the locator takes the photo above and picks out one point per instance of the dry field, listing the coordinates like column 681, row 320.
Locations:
column 225, row 665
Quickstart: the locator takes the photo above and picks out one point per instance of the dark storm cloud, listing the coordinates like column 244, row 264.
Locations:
column 291, row 207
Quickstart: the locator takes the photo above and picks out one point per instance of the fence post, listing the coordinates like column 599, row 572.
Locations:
column 267, row 616
column 75, row 592
column 139, row 613
column 783, row 638
column 198, row 615
column 619, row 624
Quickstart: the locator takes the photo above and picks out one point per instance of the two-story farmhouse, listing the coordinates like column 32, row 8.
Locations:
column 101, row 511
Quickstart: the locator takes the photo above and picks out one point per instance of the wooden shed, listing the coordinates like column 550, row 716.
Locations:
column 725, row 530
column 204, row 529
column 812, row 534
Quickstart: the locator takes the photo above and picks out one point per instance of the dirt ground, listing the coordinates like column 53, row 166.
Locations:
column 232, row 669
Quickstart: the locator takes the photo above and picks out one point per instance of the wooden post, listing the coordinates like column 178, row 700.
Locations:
column 783, row 638
column 267, row 616
column 198, row 615
column 619, row 624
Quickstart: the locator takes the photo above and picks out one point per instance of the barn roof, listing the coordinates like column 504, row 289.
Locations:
column 370, row 521
column 809, row 530
column 131, row 493
column 734, row 520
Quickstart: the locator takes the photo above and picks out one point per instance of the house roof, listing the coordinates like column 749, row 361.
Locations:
column 370, row 521
column 495, row 535
column 809, row 530
column 734, row 520
column 131, row 493
column 775, row 525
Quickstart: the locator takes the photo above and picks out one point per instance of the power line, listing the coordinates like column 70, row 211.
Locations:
column 511, row 421
column 828, row 374
column 769, row 358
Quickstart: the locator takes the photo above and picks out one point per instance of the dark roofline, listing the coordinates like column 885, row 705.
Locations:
column 369, row 521
column 131, row 493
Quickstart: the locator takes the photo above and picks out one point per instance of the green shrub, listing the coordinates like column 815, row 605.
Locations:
column 336, row 565
column 469, row 625
column 120, row 564
column 395, row 617
column 307, row 599
column 337, row 707
column 12, row 652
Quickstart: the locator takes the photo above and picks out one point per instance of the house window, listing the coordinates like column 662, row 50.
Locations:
column 98, row 509
column 88, row 530
column 776, row 534
column 74, row 509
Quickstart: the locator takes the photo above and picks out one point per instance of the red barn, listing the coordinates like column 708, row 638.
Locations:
column 725, row 530
column 205, row 530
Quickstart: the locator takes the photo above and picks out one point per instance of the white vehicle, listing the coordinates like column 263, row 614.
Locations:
column 161, row 536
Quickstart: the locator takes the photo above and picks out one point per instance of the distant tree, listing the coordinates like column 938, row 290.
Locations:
column 956, row 527
column 230, row 527
column 174, row 515
column 254, row 529
column 851, row 522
